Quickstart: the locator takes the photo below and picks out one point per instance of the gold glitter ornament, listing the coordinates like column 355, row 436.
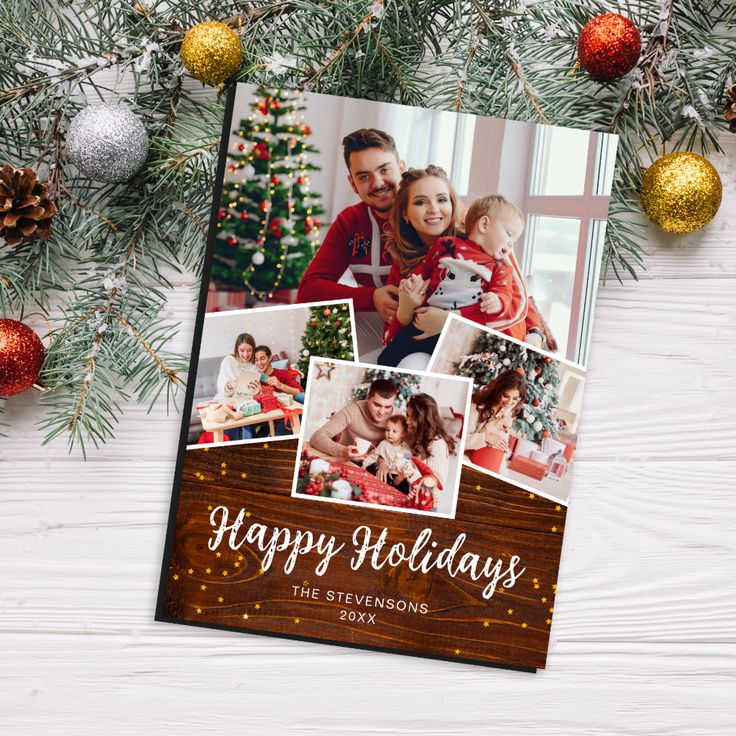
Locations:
column 681, row 192
column 212, row 52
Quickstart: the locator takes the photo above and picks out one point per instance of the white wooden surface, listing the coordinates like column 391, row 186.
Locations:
column 644, row 632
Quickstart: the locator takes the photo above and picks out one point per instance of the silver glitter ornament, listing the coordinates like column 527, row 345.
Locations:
column 107, row 142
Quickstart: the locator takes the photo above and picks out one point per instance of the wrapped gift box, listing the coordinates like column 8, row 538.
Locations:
column 249, row 407
column 527, row 466
column 372, row 490
column 267, row 402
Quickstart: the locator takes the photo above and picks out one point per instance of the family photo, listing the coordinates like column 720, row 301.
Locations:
column 414, row 215
column 525, row 408
column 253, row 367
column 386, row 438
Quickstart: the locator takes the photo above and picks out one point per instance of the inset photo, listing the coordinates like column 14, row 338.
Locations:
column 525, row 408
column 382, row 437
column 253, row 366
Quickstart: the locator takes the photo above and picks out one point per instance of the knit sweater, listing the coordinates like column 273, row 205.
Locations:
column 353, row 420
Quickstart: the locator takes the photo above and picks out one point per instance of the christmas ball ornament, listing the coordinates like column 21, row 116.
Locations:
column 681, row 192
column 258, row 258
column 212, row 52
column 326, row 312
column 609, row 46
column 107, row 142
column 21, row 357
column 25, row 208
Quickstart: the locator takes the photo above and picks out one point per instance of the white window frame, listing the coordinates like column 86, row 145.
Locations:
column 591, row 209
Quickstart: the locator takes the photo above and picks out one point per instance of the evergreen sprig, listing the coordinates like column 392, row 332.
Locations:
column 108, row 268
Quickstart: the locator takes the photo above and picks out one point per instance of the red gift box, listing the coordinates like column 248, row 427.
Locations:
column 268, row 402
column 372, row 490
column 529, row 467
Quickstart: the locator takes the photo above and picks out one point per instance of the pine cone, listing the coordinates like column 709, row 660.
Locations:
column 25, row 208
column 730, row 110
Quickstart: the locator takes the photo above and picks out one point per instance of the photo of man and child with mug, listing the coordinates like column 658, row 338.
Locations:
column 496, row 221
column 386, row 438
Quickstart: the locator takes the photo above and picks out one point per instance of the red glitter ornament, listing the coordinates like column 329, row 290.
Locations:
column 222, row 214
column 535, row 402
column 244, row 215
column 609, row 46
column 21, row 357
column 326, row 312
column 232, row 240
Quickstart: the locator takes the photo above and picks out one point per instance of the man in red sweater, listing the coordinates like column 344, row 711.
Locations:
column 355, row 241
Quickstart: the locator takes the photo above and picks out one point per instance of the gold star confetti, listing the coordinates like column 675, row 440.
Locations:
column 203, row 587
column 258, row 605
column 218, row 554
column 223, row 472
column 297, row 620
column 190, row 571
column 510, row 611
column 486, row 624
column 241, row 558
column 245, row 616
column 209, row 508
column 552, row 609
column 305, row 583
column 544, row 599
column 223, row 465
column 220, row 599
column 477, row 488
column 536, row 586
column 549, row 621
column 457, row 651
column 199, row 610
column 531, row 495
column 236, row 563
column 244, row 475
column 206, row 449
column 261, row 572
column 554, row 528
column 535, row 580
column 208, row 570
column 554, row 586
column 247, row 513
column 224, row 573
column 523, row 626
column 176, row 577
column 558, row 508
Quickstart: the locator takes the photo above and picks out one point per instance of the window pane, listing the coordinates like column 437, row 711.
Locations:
column 560, row 161
column 592, row 268
column 605, row 163
column 553, row 247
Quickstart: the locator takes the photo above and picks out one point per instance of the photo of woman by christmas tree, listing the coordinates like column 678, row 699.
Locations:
column 525, row 408
column 253, row 366
column 382, row 437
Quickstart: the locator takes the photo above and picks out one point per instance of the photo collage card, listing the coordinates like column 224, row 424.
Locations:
column 387, row 376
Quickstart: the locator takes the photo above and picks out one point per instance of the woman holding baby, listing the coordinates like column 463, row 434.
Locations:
column 492, row 412
column 438, row 272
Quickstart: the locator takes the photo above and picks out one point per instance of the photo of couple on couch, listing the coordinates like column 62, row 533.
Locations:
column 252, row 368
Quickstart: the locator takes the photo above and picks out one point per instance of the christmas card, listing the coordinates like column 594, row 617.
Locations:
column 387, row 374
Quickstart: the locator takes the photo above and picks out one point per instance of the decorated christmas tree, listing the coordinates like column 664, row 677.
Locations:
column 407, row 383
column 328, row 334
column 493, row 355
column 269, row 222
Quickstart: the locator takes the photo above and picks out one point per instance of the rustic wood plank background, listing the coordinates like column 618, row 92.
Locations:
column 227, row 588
column 644, row 633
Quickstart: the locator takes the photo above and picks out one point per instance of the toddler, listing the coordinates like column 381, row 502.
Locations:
column 396, row 453
column 477, row 277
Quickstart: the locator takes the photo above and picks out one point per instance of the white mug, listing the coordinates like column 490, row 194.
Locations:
column 362, row 445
